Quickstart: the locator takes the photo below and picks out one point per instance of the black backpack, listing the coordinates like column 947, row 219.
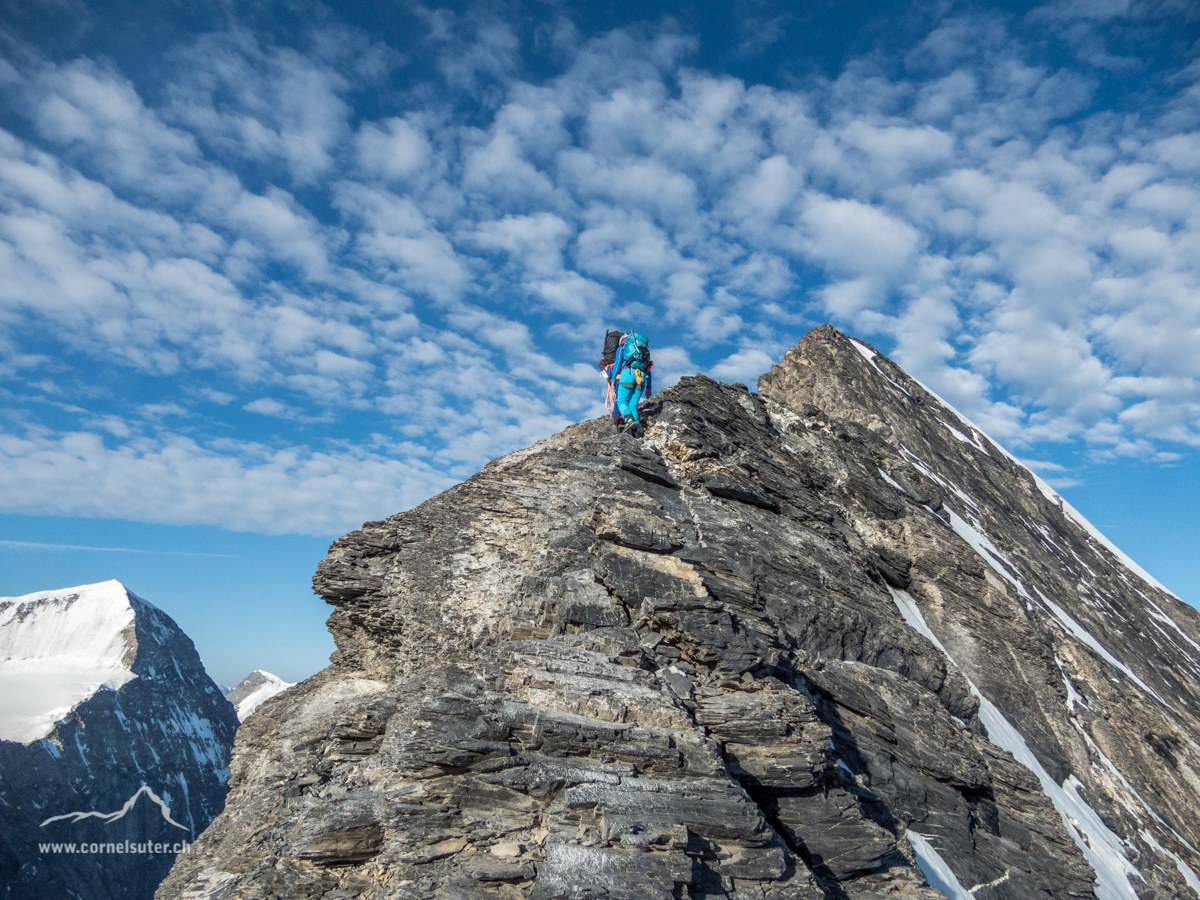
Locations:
column 612, row 343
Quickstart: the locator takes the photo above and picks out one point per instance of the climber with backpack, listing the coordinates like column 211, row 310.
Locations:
column 627, row 364
column 612, row 344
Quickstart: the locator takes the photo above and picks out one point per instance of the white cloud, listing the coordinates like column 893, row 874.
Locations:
column 268, row 406
column 535, row 241
column 272, row 104
column 174, row 480
column 398, row 240
column 671, row 363
column 394, row 149
column 897, row 151
column 856, row 239
column 761, row 196
column 626, row 246
column 445, row 257
column 80, row 106
column 484, row 46
column 743, row 367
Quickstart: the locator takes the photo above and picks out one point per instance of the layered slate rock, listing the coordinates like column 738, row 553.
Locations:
column 112, row 735
column 811, row 643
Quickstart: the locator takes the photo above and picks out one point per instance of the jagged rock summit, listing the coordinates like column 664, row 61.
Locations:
column 826, row 641
column 111, row 733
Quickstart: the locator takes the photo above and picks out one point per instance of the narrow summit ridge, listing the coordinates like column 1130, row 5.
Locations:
column 822, row 641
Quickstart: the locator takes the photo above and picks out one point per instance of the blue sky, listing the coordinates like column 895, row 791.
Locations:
column 270, row 270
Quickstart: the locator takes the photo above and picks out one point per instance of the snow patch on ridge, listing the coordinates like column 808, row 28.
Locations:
column 983, row 434
column 57, row 649
column 1074, row 698
column 869, row 355
column 1077, row 517
column 913, row 617
column 962, row 437
column 987, row 551
column 1189, row 874
column 1158, row 614
column 1116, row 773
column 992, row 555
column 892, row 481
column 1100, row 846
column 1084, row 636
column 937, row 873
column 916, row 463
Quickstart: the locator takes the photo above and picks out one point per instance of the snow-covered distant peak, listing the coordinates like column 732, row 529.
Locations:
column 255, row 689
column 85, row 622
column 59, row 647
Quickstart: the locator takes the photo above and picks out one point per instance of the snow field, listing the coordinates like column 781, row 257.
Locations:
column 937, row 873
column 57, row 648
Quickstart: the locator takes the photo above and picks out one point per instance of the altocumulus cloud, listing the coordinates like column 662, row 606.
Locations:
column 237, row 485
column 354, row 277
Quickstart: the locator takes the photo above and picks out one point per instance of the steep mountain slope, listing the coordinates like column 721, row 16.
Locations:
column 254, row 690
column 110, row 732
column 820, row 642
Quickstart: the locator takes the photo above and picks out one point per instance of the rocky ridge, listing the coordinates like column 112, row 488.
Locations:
column 819, row 642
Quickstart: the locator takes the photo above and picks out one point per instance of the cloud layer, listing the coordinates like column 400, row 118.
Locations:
column 295, row 287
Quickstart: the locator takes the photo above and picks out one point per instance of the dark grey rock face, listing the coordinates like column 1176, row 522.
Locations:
column 776, row 649
column 168, row 729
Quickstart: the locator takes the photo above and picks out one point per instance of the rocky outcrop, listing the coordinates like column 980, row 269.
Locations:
column 827, row 641
column 115, row 744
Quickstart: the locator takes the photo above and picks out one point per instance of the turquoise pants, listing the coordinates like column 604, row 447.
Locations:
column 628, row 396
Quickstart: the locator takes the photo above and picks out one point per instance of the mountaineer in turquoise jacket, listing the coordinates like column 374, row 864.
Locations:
column 631, row 377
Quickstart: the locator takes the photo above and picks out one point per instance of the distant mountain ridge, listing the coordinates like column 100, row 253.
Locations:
column 103, row 700
column 255, row 689
column 823, row 642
